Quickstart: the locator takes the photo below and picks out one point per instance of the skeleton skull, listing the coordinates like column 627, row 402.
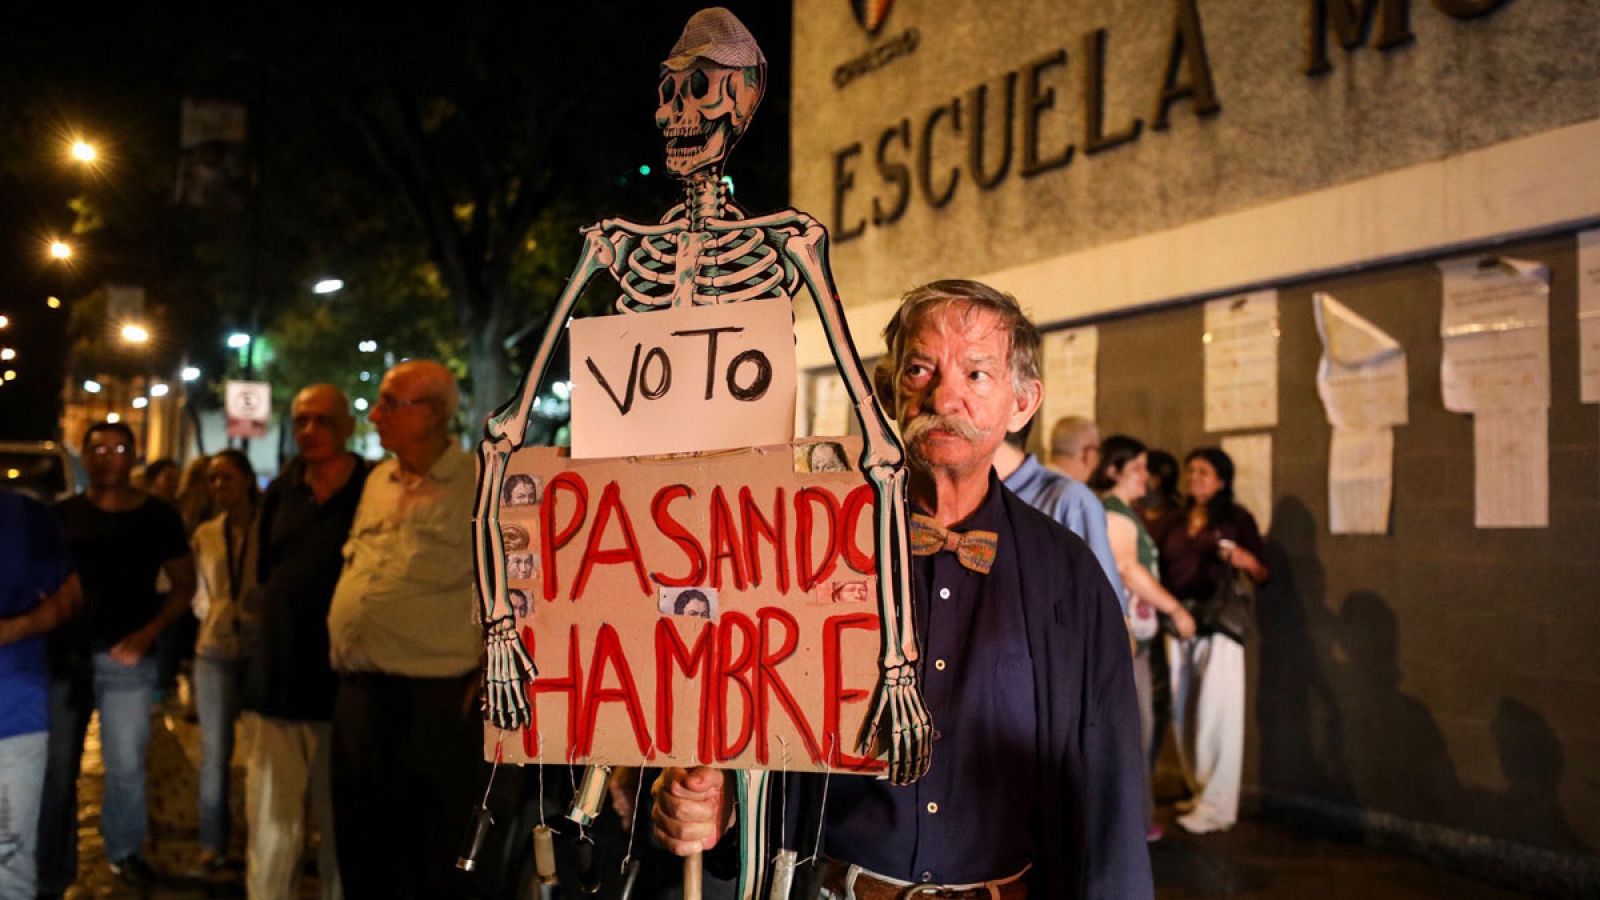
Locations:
column 711, row 84
column 704, row 109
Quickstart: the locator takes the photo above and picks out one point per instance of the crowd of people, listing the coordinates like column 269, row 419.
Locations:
column 333, row 613
column 375, row 730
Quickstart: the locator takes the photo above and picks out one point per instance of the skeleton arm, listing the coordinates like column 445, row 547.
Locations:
column 896, row 696
column 507, row 667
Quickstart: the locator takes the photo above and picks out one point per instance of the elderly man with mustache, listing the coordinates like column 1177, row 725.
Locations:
column 1036, row 788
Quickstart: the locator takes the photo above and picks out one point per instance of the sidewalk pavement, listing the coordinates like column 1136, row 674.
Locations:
column 1258, row 859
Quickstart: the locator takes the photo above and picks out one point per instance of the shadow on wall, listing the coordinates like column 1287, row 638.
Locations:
column 1336, row 729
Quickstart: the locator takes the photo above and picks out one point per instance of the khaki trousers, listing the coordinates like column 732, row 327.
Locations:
column 288, row 762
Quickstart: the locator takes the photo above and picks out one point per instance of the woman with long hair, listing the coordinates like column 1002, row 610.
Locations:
column 1217, row 538
column 1162, row 505
column 225, row 553
column 1121, row 480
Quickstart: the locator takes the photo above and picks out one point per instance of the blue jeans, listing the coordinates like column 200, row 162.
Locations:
column 124, row 696
column 217, row 687
column 22, row 763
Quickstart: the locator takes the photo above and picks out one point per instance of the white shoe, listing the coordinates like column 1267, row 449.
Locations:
column 1199, row 822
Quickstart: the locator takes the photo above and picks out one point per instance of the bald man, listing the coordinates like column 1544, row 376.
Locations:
column 305, row 519
column 403, row 640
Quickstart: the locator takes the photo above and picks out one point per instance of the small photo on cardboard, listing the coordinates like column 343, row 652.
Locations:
column 519, row 603
column 521, row 490
column 522, row 566
column 699, row 602
column 847, row 592
column 821, row 457
column 515, row 538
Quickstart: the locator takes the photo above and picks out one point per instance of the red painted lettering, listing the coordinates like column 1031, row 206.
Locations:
column 769, row 682
column 611, row 504
column 804, row 500
column 834, row 694
column 670, row 650
column 679, row 535
column 552, row 539
column 858, row 501
column 543, row 683
column 755, row 525
column 608, row 655
column 732, row 669
column 724, row 541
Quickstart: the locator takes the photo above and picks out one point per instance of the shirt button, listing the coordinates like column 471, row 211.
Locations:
column 939, row 664
column 933, row 808
column 944, row 593
column 926, row 877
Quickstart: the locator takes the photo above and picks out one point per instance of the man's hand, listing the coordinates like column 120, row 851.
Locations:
column 132, row 648
column 693, row 808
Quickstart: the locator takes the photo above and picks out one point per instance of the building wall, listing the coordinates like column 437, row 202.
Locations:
column 1436, row 681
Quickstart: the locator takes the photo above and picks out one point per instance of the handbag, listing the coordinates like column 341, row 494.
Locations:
column 1229, row 611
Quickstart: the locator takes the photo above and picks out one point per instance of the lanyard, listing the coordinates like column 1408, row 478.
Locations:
column 235, row 566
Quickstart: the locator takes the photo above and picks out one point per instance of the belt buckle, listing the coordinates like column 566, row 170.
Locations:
column 926, row 890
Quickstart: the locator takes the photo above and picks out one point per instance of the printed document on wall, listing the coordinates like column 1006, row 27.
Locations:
column 1360, row 480
column 1362, row 375
column 1070, row 358
column 1495, row 325
column 1252, row 476
column 1241, row 360
column 1512, row 462
column 1589, row 316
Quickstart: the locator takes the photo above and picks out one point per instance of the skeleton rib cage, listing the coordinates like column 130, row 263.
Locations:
column 733, row 266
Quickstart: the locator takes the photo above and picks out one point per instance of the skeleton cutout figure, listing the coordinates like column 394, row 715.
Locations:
column 706, row 250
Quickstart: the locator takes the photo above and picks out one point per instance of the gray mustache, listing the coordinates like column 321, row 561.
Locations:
column 921, row 425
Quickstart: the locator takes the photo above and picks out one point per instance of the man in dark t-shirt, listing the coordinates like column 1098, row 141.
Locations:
column 120, row 538
column 305, row 519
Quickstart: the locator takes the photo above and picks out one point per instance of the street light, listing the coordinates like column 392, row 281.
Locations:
column 190, row 373
column 113, row 418
column 92, row 386
column 7, row 354
column 4, row 321
column 238, row 340
column 83, row 151
column 141, row 402
column 53, row 302
column 327, row 286
column 135, row 334
column 60, row 249
column 159, row 389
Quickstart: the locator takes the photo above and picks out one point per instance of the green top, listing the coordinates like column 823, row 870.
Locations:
column 1148, row 556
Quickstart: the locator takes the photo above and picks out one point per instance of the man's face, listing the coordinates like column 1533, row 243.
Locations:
column 407, row 417
column 165, row 485
column 956, row 400
column 322, row 425
column 108, row 456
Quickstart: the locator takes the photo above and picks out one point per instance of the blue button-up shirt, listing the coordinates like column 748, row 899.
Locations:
column 970, row 818
column 1071, row 503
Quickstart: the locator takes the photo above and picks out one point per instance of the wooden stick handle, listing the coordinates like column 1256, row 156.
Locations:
column 693, row 875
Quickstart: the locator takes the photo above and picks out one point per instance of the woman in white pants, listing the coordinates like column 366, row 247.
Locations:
column 1219, row 537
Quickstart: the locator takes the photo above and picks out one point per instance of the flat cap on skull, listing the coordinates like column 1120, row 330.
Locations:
column 715, row 35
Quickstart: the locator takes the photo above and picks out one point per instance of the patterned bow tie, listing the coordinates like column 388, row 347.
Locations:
column 975, row 549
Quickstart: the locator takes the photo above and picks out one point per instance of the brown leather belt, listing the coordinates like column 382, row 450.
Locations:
column 836, row 876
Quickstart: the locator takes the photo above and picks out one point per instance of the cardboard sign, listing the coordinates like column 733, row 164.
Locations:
column 708, row 610
column 680, row 380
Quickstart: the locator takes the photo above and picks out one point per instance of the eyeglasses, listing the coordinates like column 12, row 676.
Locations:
column 390, row 404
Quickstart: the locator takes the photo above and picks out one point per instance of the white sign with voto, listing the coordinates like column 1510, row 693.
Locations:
column 683, row 380
column 1495, row 323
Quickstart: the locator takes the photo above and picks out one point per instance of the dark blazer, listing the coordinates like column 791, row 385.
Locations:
column 1093, row 823
column 1091, row 826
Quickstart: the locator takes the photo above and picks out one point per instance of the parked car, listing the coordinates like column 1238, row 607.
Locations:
column 45, row 470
